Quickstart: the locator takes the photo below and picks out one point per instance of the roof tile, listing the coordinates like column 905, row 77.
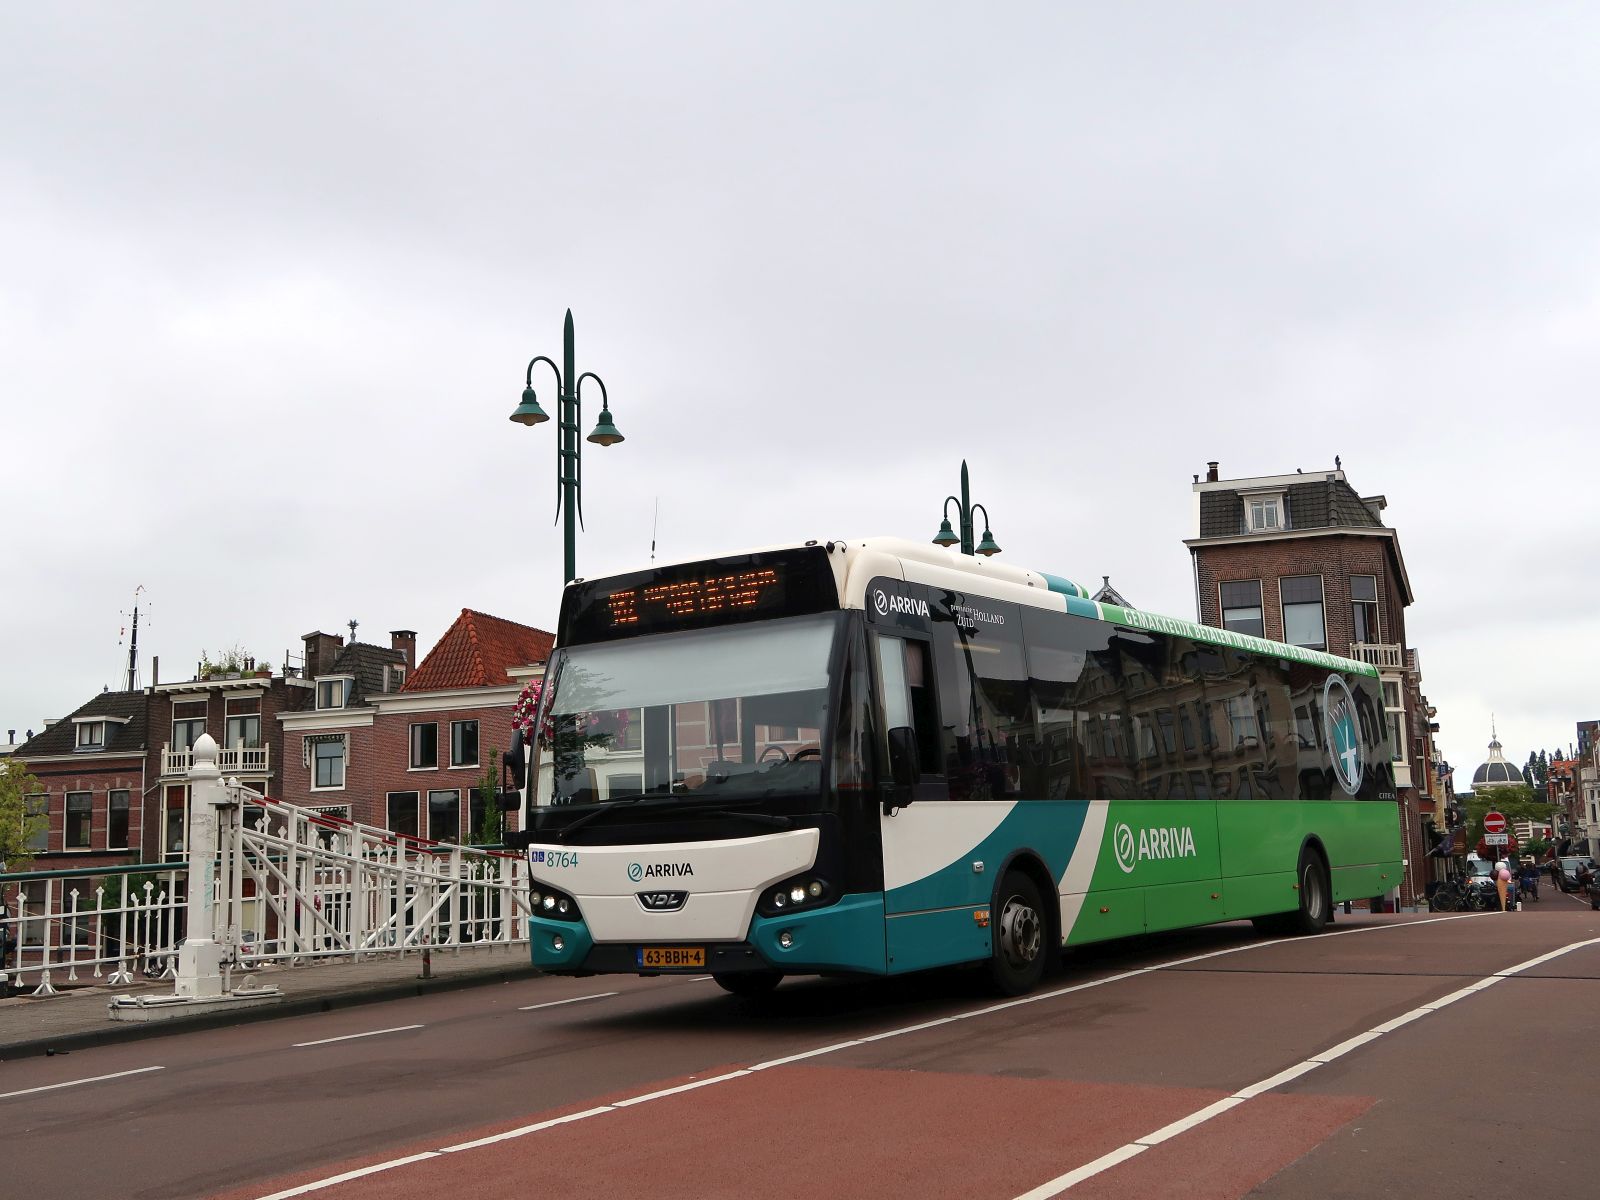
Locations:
column 477, row 651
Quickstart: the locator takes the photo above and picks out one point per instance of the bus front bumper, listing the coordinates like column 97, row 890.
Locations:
column 847, row 936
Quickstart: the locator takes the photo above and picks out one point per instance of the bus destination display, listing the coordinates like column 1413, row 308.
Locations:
column 723, row 591
column 690, row 596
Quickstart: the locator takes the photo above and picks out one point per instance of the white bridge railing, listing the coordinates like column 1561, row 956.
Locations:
column 283, row 884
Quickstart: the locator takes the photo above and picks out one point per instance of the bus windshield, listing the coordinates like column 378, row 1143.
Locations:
column 738, row 713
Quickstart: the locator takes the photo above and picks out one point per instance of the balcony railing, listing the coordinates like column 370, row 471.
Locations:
column 1386, row 656
column 232, row 760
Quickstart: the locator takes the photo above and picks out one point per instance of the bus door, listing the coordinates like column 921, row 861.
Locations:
column 932, row 885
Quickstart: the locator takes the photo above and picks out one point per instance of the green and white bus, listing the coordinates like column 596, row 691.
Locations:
column 878, row 756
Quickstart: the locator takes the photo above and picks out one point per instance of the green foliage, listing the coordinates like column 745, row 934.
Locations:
column 491, row 828
column 17, row 825
column 1515, row 803
column 228, row 662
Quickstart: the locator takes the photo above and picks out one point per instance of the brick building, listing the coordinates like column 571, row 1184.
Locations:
column 93, row 773
column 408, row 755
column 1305, row 559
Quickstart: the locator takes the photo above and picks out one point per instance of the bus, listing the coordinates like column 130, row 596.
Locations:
column 875, row 757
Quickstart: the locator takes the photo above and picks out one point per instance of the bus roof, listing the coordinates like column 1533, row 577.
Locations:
column 927, row 563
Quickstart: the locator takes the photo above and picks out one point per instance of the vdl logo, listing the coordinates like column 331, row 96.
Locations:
column 635, row 872
column 1342, row 731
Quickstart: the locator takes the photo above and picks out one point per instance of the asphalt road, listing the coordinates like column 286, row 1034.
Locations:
column 1392, row 1056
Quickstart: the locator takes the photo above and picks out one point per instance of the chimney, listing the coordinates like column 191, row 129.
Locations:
column 155, row 669
column 405, row 640
column 321, row 650
column 11, row 737
column 1211, row 472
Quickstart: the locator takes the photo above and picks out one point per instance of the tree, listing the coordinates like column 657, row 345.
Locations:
column 491, row 829
column 18, row 825
column 1515, row 803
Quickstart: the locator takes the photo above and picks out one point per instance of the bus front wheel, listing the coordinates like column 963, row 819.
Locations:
column 1017, row 962
column 749, row 985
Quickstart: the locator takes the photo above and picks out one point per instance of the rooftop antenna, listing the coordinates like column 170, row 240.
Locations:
column 133, row 643
column 352, row 622
column 655, row 526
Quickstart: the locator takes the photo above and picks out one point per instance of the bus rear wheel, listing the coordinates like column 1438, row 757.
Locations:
column 748, row 985
column 1021, row 930
column 1316, row 902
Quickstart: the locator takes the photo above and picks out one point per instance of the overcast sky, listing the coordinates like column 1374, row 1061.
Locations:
column 270, row 276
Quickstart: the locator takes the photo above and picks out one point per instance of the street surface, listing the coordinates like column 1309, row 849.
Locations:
column 1389, row 1056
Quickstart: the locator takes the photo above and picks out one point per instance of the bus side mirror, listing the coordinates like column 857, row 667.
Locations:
column 515, row 760
column 508, row 801
column 903, row 756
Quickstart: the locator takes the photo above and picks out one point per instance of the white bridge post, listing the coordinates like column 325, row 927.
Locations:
column 200, row 956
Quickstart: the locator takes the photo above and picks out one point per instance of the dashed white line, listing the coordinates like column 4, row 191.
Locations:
column 350, row 1037
column 50, row 1087
column 1084, row 1172
column 568, row 1000
column 1122, row 1154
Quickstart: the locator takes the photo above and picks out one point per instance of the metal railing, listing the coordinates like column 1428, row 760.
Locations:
column 286, row 885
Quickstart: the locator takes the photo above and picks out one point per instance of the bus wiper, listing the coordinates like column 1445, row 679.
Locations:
column 611, row 806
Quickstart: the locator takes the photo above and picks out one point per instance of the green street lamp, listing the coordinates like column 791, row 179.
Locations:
column 965, row 508
column 569, row 450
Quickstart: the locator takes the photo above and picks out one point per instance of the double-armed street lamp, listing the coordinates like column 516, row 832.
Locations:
column 569, row 450
column 948, row 537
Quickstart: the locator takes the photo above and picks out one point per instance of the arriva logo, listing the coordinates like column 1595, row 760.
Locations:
column 885, row 604
column 637, row 872
column 1176, row 841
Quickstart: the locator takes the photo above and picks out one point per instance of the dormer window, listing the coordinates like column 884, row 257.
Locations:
column 334, row 693
column 91, row 735
column 1264, row 512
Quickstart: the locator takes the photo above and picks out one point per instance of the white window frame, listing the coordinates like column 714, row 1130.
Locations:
column 311, row 761
column 477, row 735
column 1271, row 503
column 1377, row 607
column 110, row 792
column 91, row 735
column 1283, row 613
column 344, row 694
column 411, row 746
column 1261, row 604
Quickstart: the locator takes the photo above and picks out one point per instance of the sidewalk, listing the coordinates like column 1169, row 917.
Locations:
column 77, row 1017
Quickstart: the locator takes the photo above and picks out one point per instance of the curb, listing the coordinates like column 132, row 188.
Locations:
column 116, row 1032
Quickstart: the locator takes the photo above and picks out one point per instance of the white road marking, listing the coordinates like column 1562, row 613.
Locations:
column 50, row 1087
column 568, row 1000
column 1105, row 1162
column 1083, row 1172
column 350, row 1037
column 319, row 1184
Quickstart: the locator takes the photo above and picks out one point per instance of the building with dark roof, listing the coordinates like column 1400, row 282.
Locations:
column 1496, row 772
column 1306, row 559
column 93, row 772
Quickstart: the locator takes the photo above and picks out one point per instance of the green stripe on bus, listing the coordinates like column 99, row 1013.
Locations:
column 1156, row 623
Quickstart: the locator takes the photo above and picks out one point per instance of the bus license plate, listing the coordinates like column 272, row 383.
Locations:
column 672, row 956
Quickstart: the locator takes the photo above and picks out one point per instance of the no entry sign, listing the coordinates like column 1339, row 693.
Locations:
column 1494, row 822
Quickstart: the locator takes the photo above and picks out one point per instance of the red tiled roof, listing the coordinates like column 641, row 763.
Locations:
column 476, row 652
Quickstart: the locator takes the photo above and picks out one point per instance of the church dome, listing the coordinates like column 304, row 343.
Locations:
column 1497, row 772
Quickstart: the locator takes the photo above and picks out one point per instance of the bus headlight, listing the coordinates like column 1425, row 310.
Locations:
column 804, row 891
column 548, row 902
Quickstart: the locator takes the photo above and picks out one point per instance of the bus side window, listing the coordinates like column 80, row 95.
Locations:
column 910, row 713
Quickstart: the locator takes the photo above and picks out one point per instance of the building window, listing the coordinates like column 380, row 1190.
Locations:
column 38, row 805
column 80, row 808
column 463, row 743
column 403, row 813
column 177, row 821
column 92, row 735
column 444, row 816
column 425, row 745
column 333, row 693
column 1302, row 611
column 1394, row 709
column 1364, row 609
column 1241, row 607
column 244, row 732
column 117, row 821
column 1264, row 514
column 188, row 723
column 328, row 759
